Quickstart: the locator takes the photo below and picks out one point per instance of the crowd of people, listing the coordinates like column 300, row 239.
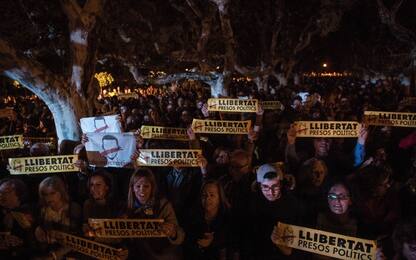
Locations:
column 229, row 206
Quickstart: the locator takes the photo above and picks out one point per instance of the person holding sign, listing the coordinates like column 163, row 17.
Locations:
column 57, row 213
column 208, row 228
column 270, row 204
column 16, row 219
column 144, row 202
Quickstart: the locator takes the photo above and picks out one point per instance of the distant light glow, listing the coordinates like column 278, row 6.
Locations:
column 324, row 65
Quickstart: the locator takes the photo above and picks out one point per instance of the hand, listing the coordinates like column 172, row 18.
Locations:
column 139, row 139
column 204, row 110
column 122, row 254
column 40, row 235
column 81, row 164
column 84, row 139
column 169, row 229
column 291, row 134
column 206, row 241
column 362, row 136
column 191, row 133
column 380, row 255
column 260, row 111
column 252, row 135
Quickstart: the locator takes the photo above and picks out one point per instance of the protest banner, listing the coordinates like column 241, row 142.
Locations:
column 160, row 132
column 125, row 228
column 24, row 220
column 128, row 95
column 233, row 105
column 383, row 118
column 221, row 126
column 86, row 247
column 110, row 150
column 43, row 164
column 272, row 105
column 327, row 128
column 408, row 101
column 169, row 157
column 101, row 124
column 11, row 142
column 326, row 243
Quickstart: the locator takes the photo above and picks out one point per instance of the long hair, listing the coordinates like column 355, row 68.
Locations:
column 19, row 187
column 141, row 173
column 105, row 177
column 224, row 204
column 55, row 183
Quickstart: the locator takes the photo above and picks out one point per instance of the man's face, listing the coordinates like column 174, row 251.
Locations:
column 271, row 189
column 109, row 144
column 98, row 188
column 322, row 146
column 318, row 173
column 339, row 199
column 8, row 197
column 239, row 165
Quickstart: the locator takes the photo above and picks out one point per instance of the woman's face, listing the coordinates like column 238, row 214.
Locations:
column 142, row 190
column 210, row 197
column 52, row 197
column 98, row 188
column 222, row 158
column 339, row 199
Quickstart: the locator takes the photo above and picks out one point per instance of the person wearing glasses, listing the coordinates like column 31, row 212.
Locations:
column 270, row 203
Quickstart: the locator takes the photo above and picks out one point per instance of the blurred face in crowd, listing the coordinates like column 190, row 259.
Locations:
column 210, row 198
column 142, row 190
column 186, row 117
column 98, row 188
column 53, row 198
column 409, row 250
column 239, row 165
column 271, row 189
column 380, row 156
column 339, row 199
column 8, row 196
column 322, row 146
column 383, row 186
column 222, row 157
column 319, row 173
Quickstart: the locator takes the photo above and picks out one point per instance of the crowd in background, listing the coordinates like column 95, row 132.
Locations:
column 228, row 207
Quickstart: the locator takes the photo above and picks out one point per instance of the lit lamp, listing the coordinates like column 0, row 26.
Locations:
column 324, row 65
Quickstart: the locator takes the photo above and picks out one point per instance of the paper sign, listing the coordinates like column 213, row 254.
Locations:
column 11, row 142
column 123, row 228
column 128, row 95
column 272, row 105
column 233, row 105
column 87, row 247
column 110, row 150
column 390, row 118
column 326, row 243
column 101, row 124
column 327, row 128
column 43, row 164
column 159, row 132
column 179, row 158
column 221, row 126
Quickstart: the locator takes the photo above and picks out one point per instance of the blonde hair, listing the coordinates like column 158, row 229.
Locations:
column 55, row 183
column 141, row 173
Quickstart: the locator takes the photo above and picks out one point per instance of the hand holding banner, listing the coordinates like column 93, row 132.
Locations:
column 221, row 126
column 43, row 164
column 127, row 228
column 327, row 128
column 324, row 243
column 168, row 157
column 233, row 105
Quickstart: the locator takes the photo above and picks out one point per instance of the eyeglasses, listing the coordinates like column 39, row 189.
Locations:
column 333, row 196
column 274, row 188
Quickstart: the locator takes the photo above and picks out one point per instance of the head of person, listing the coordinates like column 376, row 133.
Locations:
column 13, row 193
column 316, row 172
column 404, row 239
column 322, row 146
column 239, row 163
column 221, row 155
column 339, row 198
column 99, row 185
column 269, row 179
column 53, row 193
column 186, row 117
column 142, row 188
column 213, row 196
column 377, row 179
column 39, row 149
column 66, row 147
column 110, row 143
